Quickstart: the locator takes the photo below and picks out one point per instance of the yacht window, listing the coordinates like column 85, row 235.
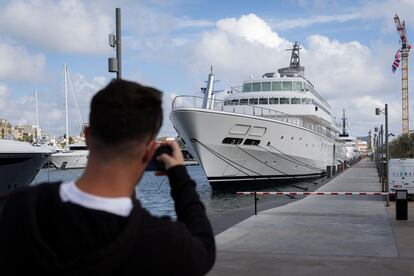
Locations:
column 287, row 86
column 232, row 140
column 284, row 101
column 251, row 142
column 297, row 86
column 263, row 100
column 296, row 101
column 78, row 148
column 266, row 86
column 306, row 101
column 276, row 86
column 227, row 102
column 274, row 101
column 253, row 101
column 235, row 102
column 256, row 86
column 247, row 87
column 244, row 101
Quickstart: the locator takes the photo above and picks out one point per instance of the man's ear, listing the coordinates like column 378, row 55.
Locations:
column 149, row 151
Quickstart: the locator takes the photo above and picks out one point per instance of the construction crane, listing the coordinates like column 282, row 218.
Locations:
column 405, row 49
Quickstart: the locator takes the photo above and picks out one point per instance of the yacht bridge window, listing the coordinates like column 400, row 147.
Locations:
column 244, row 101
column 253, row 101
column 266, row 86
column 287, row 86
column 274, row 101
column 256, row 87
column 296, row 101
column 284, row 101
column 263, row 100
column 274, row 86
column 247, row 87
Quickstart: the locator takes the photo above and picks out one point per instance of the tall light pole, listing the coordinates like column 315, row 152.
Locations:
column 384, row 111
column 115, row 64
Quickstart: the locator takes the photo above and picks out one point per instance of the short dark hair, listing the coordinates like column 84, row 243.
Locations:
column 125, row 111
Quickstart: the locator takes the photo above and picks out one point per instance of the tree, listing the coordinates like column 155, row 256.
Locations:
column 402, row 147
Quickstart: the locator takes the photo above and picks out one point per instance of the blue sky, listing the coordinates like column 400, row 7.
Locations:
column 348, row 47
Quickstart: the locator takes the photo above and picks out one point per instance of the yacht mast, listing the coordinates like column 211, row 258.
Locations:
column 208, row 94
column 66, row 109
column 344, row 124
column 37, row 117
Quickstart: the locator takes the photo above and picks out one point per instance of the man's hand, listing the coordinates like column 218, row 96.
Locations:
column 175, row 159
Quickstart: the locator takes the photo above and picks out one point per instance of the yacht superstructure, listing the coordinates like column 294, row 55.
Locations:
column 273, row 128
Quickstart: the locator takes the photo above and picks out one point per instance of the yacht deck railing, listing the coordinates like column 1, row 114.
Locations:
column 245, row 109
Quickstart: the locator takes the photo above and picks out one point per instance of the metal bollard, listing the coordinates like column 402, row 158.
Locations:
column 401, row 205
column 329, row 171
column 255, row 203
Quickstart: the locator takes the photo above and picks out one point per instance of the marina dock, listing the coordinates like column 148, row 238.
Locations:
column 323, row 235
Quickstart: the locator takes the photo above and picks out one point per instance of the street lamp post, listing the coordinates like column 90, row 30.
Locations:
column 115, row 64
column 384, row 111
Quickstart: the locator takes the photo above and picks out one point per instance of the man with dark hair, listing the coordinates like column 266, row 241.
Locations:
column 91, row 226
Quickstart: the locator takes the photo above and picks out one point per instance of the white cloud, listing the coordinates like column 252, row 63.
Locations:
column 387, row 9
column 252, row 28
column 238, row 47
column 4, row 93
column 185, row 22
column 64, row 25
column 350, row 74
column 18, row 64
column 302, row 22
column 341, row 70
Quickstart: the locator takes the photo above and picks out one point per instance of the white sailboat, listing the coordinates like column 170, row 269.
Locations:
column 74, row 156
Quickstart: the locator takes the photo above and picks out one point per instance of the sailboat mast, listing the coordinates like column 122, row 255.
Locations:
column 37, row 117
column 66, row 108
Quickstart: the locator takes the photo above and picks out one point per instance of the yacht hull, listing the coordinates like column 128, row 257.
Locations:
column 285, row 152
column 70, row 160
column 17, row 170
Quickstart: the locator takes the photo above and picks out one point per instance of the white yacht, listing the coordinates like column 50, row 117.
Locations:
column 270, row 129
column 352, row 151
column 19, row 164
column 75, row 157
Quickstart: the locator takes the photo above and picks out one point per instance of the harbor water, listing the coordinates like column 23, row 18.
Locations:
column 154, row 191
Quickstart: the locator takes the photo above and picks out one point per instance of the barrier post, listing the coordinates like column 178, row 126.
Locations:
column 255, row 203
column 329, row 171
column 401, row 205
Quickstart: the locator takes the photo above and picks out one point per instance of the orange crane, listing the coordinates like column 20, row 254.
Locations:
column 405, row 49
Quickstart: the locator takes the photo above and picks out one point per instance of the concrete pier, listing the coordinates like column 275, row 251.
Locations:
column 322, row 235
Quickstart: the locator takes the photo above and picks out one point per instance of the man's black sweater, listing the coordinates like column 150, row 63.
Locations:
column 40, row 233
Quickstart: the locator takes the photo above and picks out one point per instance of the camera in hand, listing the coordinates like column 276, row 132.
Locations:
column 154, row 164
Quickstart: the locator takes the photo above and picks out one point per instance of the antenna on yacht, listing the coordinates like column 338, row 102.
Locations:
column 294, row 58
column 344, row 124
column 208, row 92
column 66, row 108
column 294, row 69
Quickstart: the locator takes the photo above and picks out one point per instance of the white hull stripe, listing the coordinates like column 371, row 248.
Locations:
column 314, row 193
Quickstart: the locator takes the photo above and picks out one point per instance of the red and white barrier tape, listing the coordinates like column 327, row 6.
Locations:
column 314, row 193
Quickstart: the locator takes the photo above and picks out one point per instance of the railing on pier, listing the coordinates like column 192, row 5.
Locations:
column 245, row 109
